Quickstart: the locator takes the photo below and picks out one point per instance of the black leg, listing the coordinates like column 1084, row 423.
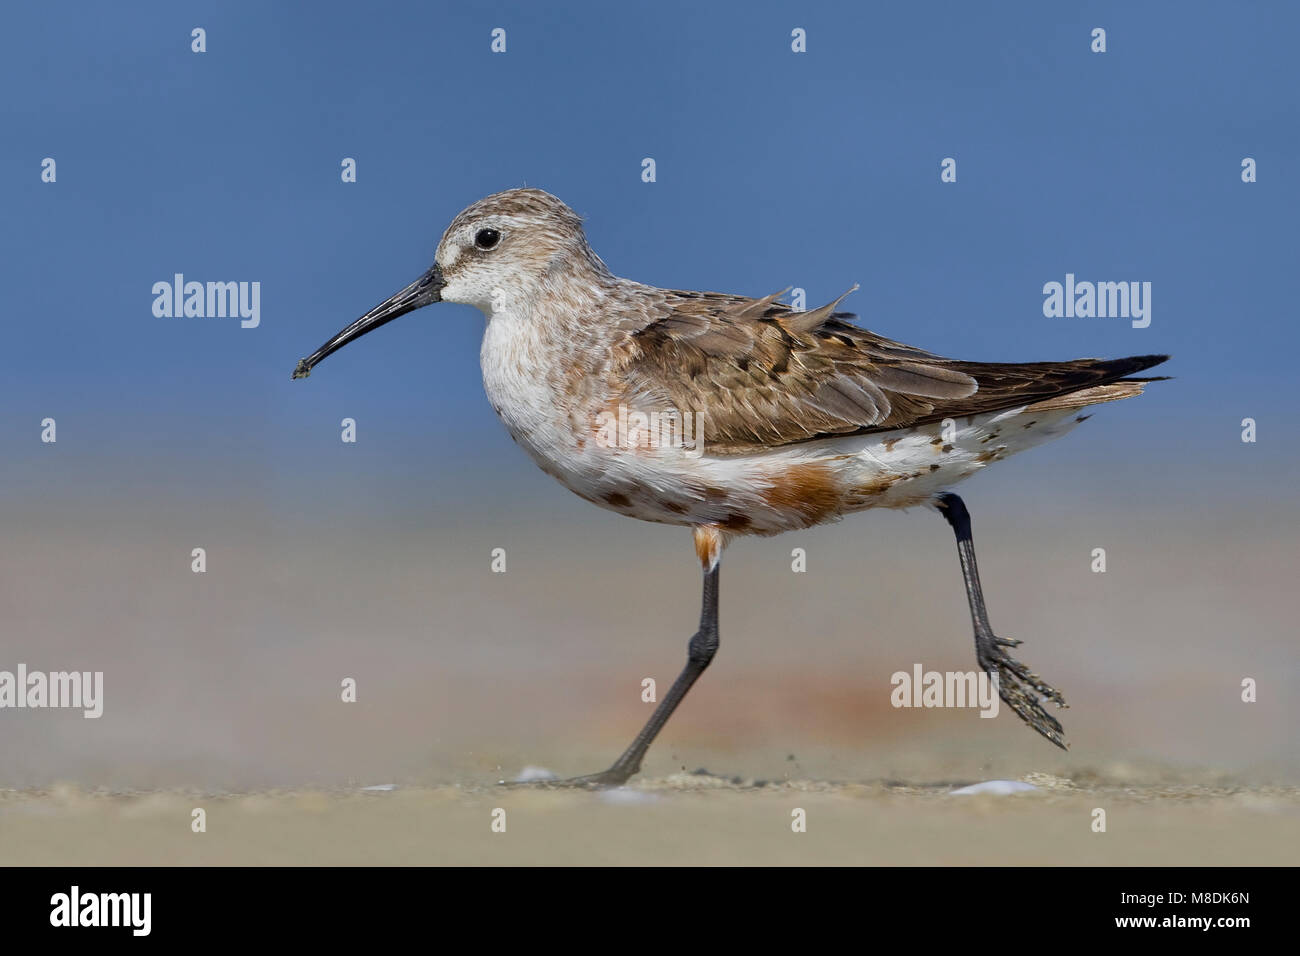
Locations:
column 1017, row 685
column 700, row 650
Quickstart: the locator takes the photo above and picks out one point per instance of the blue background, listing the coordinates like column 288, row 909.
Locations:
column 817, row 170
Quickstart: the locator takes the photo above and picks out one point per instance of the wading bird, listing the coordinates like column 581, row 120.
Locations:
column 797, row 417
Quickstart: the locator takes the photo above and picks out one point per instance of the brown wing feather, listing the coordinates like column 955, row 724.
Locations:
column 761, row 374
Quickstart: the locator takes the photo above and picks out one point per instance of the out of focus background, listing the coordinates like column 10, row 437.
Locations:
column 372, row 560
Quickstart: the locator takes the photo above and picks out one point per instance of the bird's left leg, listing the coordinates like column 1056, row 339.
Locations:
column 1022, row 689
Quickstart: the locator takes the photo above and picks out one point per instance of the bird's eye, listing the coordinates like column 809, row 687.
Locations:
column 486, row 238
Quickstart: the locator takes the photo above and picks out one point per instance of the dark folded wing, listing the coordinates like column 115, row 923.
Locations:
column 761, row 374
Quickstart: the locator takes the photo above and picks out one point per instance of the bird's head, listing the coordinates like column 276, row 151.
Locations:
column 499, row 254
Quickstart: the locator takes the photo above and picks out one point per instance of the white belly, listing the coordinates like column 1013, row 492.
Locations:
column 769, row 492
column 801, row 485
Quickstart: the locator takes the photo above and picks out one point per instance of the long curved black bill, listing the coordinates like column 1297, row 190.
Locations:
column 423, row 291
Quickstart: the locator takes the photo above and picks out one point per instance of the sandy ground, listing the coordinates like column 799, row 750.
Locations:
column 679, row 819
column 222, row 689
